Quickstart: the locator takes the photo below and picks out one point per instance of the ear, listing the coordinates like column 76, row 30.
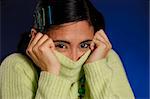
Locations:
column 33, row 32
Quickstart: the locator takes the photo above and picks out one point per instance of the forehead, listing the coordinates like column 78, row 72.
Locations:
column 73, row 30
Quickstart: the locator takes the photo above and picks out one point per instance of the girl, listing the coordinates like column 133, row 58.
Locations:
column 68, row 56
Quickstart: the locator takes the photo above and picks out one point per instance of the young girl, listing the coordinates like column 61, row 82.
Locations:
column 68, row 56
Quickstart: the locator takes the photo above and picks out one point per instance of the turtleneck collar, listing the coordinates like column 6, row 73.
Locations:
column 70, row 69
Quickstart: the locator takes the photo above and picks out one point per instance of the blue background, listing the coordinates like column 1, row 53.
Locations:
column 127, row 26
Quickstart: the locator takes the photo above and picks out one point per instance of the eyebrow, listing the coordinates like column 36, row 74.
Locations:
column 62, row 41
column 88, row 40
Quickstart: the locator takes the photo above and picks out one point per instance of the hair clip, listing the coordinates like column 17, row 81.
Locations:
column 43, row 17
column 50, row 14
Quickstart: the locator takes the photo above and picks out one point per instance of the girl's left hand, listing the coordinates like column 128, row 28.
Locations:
column 100, row 47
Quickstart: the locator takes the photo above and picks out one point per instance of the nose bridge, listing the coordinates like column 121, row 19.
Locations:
column 75, row 54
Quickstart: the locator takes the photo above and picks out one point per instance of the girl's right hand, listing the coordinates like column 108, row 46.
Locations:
column 41, row 50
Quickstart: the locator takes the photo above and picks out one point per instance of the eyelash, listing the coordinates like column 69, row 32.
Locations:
column 83, row 45
column 61, row 46
column 88, row 45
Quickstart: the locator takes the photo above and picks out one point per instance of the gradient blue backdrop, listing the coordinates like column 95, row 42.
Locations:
column 126, row 26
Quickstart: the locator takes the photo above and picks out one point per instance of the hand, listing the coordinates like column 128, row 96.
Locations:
column 100, row 47
column 41, row 51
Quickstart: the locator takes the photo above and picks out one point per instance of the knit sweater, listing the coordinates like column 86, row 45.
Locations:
column 105, row 79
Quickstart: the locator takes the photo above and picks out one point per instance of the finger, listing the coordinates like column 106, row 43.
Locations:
column 33, row 32
column 36, row 39
column 92, row 45
column 29, row 50
column 101, row 32
column 101, row 41
column 98, row 43
column 42, row 40
column 103, row 35
column 30, row 53
column 49, row 43
column 99, row 37
column 32, row 35
column 36, row 49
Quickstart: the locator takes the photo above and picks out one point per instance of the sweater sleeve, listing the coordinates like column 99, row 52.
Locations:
column 106, row 79
column 19, row 81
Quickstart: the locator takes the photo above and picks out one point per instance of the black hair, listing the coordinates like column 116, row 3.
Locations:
column 52, row 13
column 49, row 13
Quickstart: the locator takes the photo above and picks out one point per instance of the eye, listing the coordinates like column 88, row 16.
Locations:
column 61, row 46
column 84, row 45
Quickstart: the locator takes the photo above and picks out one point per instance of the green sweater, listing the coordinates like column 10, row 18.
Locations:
column 105, row 79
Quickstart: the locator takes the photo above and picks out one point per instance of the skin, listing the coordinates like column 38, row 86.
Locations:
column 72, row 39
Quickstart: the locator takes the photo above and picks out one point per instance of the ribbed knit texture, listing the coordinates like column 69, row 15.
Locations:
column 105, row 79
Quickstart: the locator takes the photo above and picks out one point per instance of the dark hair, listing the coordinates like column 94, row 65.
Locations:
column 49, row 13
column 52, row 13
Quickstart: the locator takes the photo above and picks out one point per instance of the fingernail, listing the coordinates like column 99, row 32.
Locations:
column 92, row 48
column 92, row 45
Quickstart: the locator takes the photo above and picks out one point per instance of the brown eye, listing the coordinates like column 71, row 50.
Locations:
column 62, row 46
column 84, row 45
